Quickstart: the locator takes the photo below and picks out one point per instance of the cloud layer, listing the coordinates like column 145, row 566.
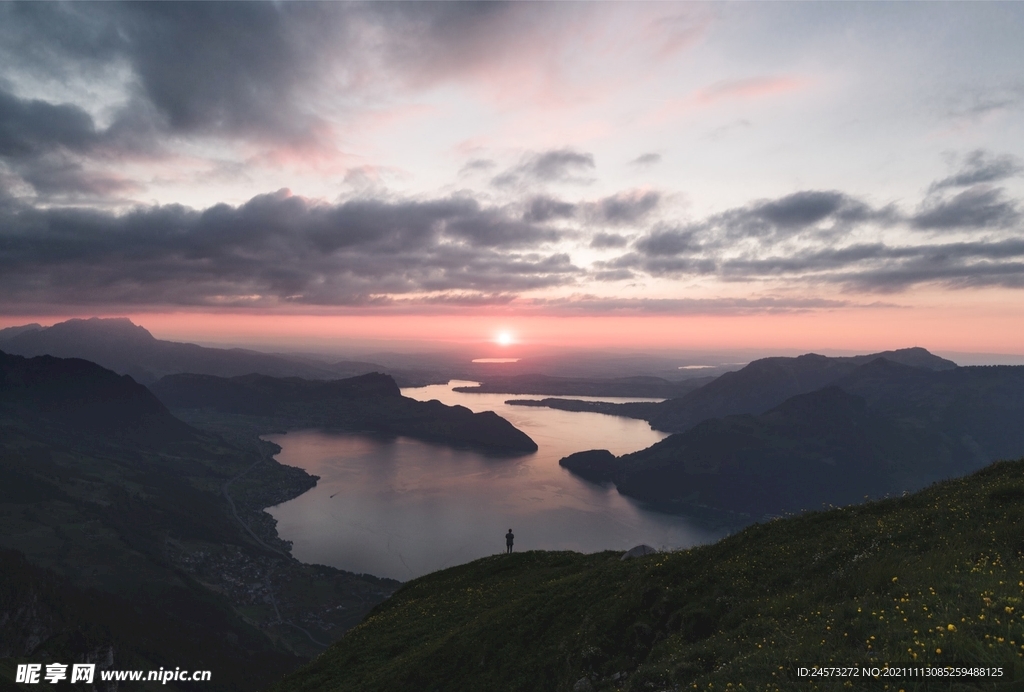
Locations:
column 279, row 249
column 568, row 200
column 829, row 237
column 275, row 249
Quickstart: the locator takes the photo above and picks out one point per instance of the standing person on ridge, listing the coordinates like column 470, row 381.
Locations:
column 509, row 537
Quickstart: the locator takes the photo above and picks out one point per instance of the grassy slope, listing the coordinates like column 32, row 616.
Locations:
column 932, row 577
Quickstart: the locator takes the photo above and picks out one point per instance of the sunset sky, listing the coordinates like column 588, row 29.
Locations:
column 642, row 175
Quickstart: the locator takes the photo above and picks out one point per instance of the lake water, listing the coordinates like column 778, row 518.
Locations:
column 401, row 508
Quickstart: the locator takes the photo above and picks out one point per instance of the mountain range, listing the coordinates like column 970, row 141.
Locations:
column 755, row 388
column 132, row 538
column 139, row 541
column 371, row 402
column 108, row 500
column 876, row 427
column 128, row 349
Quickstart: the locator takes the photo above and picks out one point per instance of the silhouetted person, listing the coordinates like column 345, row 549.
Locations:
column 508, row 541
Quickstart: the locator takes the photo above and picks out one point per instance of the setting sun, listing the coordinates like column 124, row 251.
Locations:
column 504, row 338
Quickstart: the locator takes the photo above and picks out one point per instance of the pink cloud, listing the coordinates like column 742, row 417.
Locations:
column 749, row 88
column 736, row 90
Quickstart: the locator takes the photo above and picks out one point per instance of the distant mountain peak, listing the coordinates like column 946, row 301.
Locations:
column 127, row 348
column 11, row 332
column 119, row 327
column 765, row 383
column 915, row 357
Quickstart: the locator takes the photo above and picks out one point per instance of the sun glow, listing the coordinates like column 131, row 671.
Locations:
column 504, row 338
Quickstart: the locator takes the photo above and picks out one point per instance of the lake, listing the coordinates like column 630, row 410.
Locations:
column 400, row 508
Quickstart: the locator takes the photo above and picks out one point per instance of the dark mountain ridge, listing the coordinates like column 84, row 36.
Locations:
column 883, row 428
column 126, row 348
column 75, row 394
column 110, row 503
column 980, row 406
column 11, row 332
column 755, row 388
column 822, row 447
column 371, row 402
column 768, row 382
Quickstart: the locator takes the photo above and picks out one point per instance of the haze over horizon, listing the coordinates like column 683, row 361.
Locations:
column 768, row 177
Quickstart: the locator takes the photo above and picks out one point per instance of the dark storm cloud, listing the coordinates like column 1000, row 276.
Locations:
column 198, row 67
column 881, row 267
column 670, row 241
column 795, row 213
column 800, row 209
column 474, row 165
column 626, row 207
column 540, row 209
column 900, row 277
column 865, row 266
column 29, row 128
column 557, row 165
column 667, row 266
column 808, row 214
column 614, row 275
column 811, row 215
column 203, row 68
column 671, row 267
column 810, row 237
column 980, row 167
column 48, row 146
column 274, row 249
column 226, row 66
column 493, row 229
column 54, row 40
column 254, row 70
column 976, row 207
column 248, row 69
column 608, row 240
column 56, row 176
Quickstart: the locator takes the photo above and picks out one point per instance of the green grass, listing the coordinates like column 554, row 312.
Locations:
column 937, row 576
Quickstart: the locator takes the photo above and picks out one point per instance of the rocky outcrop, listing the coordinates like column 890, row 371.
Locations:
column 595, row 465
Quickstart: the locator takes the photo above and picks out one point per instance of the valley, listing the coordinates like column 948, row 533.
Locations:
column 108, row 493
column 471, row 346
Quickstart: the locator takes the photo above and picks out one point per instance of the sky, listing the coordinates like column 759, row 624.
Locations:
column 621, row 174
